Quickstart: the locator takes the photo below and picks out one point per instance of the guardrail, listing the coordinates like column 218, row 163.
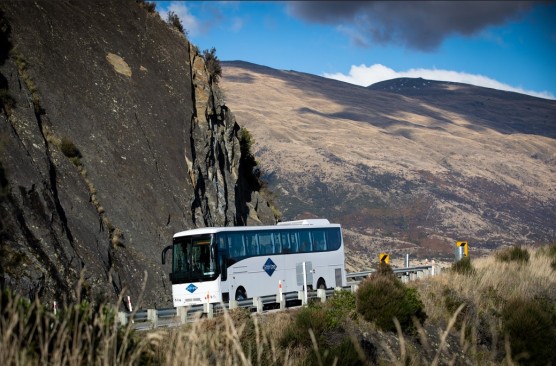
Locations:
column 171, row 317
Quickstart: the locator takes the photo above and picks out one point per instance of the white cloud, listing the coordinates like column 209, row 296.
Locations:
column 189, row 22
column 366, row 75
column 237, row 24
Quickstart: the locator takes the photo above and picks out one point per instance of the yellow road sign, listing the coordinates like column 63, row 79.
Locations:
column 465, row 247
column 384, row 258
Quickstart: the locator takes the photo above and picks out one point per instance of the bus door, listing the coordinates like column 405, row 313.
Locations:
column 283, row 246
column 237, row 268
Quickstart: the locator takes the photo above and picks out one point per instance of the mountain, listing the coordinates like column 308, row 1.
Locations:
column 113, row 137
column 406, row 165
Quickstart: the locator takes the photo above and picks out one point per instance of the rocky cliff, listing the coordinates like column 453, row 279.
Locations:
column 113, row 137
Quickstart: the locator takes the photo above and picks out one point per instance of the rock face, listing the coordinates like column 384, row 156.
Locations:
column 406, row 166
column 113, row 137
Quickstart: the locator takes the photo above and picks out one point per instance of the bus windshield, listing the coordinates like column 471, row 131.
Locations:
column 193, row 259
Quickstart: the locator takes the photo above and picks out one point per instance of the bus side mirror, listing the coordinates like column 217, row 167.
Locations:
column 164, row 253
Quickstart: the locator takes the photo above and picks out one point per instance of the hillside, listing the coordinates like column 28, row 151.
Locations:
column 406, row 166
column 113, row 137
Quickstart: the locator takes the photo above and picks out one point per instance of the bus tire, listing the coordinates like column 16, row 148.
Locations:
column 240, row 294
column 321, row 284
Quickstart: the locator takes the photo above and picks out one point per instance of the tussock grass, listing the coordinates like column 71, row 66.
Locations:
column 503, row 313
column 488, row 298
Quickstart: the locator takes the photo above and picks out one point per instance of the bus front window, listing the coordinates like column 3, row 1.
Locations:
column 194, row 259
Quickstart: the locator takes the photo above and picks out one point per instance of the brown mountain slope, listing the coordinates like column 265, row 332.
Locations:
column 409, row 172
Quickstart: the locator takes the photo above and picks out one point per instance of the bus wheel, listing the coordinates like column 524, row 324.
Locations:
column 240, row 294
column 321, row 284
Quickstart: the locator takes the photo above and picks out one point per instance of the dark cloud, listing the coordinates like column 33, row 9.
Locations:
column 416, row 24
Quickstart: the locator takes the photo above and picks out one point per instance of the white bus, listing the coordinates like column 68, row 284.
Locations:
column 215, row 264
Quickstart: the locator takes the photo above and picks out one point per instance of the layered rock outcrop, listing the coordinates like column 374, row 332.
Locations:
column 114, row 137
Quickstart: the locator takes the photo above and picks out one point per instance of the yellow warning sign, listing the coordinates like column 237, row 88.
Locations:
column 465, row 247
column 384, row 258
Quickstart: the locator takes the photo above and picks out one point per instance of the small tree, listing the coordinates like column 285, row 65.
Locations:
column 213, row 64
column 174, row 20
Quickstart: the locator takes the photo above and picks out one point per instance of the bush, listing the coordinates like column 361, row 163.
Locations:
column 69, row 149
column 312, row 317
column 147, row 5
column 513, row 254
column 463, row 267
column 174, row 21
column 247, row 161
column 340, row 306
column 213, row 64
column 530, row 325
column 382, row 298
column 550, row 252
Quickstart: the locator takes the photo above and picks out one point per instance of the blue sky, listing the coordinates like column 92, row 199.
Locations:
column 503, row 45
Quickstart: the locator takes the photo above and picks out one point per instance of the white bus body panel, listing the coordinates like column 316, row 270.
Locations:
column 250, row 273
column 195, row 293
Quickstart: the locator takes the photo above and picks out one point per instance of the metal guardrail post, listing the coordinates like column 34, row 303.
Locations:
column 321, row 293
column 152, row 316
column 209, row 310
column 182, row 314
column 301, row 296
column 258, row 303
column 232, row 304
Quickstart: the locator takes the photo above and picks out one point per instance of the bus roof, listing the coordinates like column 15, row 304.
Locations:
column 299, row 224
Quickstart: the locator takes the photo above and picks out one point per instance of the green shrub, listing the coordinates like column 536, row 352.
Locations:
column 248, row 164
column 340, row 306
column 213, row 64
column 312, row 317
column 463, row 267
column 550, row 252
column 174, row 20
column 530, row 325
column 382, row 298
column 69, row 149
column 513, row 254
column 150, row 6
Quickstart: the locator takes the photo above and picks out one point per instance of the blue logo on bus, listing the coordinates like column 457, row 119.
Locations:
column 191, row 288
column 269, row 267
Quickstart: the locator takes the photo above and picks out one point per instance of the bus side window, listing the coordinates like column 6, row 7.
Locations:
column 265, row 241
column 305, row 241
column 285, row 242
column 333, row 239
column 277, row 243
column 235, row 245
column 293, row 242
column 251, row 243
column 319, row 242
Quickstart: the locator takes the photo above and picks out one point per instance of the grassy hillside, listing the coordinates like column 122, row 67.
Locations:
column 495, row 310
column 409, row 165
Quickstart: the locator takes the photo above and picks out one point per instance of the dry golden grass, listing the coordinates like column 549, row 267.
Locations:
column 464, row 326
column 493, row 282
